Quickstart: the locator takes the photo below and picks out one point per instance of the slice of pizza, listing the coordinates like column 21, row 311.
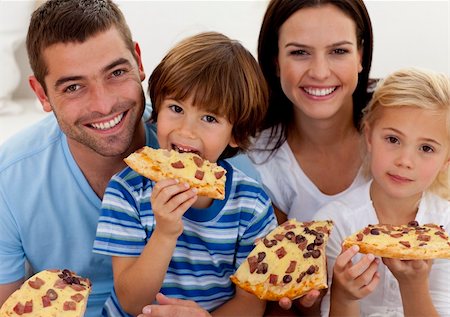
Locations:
column 406, row 242
column 289, row 262
column 55, row 293
column 209, row 178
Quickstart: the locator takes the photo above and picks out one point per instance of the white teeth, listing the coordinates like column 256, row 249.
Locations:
column 183, row 150
column 109, row 124
column 319, row 92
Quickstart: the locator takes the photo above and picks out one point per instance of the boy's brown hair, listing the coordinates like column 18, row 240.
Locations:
column 223, row 78
column 64, row 21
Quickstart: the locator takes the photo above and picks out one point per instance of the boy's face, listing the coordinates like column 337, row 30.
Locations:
column 186, row 128
column 408, row 148
column 94, row 89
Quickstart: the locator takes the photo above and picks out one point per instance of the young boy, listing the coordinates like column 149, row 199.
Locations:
column 209, row 97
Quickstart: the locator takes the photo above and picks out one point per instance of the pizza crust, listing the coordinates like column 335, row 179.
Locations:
column 158, row 164
column 291, row 273
column 406, row 242
column 49, row 293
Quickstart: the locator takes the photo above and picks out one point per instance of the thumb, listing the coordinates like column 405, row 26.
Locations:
column 164, row 300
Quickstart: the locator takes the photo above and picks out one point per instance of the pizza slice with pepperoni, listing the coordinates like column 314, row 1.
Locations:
column 158, row 164
column 406, row 242
column 289, row 262
column 49, row 293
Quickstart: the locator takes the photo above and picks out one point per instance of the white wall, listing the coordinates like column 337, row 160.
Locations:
column 407, row 33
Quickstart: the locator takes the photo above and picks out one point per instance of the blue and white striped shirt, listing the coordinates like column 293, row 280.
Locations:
column 213, row 244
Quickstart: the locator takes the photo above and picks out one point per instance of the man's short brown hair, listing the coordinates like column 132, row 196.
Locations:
column 65, row 21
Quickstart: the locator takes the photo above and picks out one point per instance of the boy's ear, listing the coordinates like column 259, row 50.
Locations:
column 40, row 93
column 446, row 165
column 233, row 142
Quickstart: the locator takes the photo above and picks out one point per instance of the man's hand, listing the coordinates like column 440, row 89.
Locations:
column 173, row 307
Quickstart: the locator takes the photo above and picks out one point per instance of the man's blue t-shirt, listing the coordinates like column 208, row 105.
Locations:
column 49, row 212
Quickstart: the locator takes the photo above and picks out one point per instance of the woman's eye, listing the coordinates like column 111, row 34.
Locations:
column 209, row 119
column 340, row 51
column 176, row 108
column 298, row 52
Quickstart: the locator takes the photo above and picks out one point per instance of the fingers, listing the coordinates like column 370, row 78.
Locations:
column 171, row 196
column 310, row 298
column 285, row 303
column 346, row 256
column 164, row 300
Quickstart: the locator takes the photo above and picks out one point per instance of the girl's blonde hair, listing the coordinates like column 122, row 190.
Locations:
column 418, row 88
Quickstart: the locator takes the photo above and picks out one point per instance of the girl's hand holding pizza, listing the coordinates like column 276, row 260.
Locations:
column 354, row 281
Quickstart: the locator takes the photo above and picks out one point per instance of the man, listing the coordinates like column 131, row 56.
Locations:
column 88, row 72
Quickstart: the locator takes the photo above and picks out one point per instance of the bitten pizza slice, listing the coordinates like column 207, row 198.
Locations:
column 49, row 293
column 158, row 164
column 406, row 242
column 289, row 262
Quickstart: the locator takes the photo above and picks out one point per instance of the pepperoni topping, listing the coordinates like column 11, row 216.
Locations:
column 77, row 287
column 405, row 243
column 423, row 237
column 177, row 164
column 281, row 252
column 289, row 226
column 199, row 174
column 253, row 263
column 218, row 175
column 19, row 309
column 396, row 235
column 77, row 297
column 273, row 279
column 366, row 231
column 300, row 277
column 198, row 161
column 291, row 267
column 46, row 301
column 279, row 236
column 69, row 305
column 28, row 307
column 37, row 283
column 359, row 237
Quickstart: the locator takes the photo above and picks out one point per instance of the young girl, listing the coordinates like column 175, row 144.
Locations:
column 209, row 97
column 407, row 135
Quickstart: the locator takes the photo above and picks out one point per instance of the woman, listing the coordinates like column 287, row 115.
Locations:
column 316, row 57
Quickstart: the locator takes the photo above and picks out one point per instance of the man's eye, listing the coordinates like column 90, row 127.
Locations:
column 209, row 119
column 176, row 108
column 72, row 88
column 118, row 72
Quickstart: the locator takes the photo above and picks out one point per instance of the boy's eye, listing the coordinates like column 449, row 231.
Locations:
column 426, row 149
column 209, row 119
column 176, row 108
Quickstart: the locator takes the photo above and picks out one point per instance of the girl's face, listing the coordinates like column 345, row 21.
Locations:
column 187, row 128
column 319, row 61
column 408, row 148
